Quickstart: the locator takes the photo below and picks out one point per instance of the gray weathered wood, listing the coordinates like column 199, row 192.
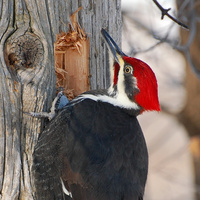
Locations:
column 97, row 15
column 27, row 78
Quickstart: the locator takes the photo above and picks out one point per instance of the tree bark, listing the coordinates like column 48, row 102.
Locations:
column 27, row 75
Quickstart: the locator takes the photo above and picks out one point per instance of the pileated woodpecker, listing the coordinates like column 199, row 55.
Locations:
column 94, row 148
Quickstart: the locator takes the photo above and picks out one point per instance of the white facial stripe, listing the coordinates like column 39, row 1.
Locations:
column 120, row 100
column 111, row 90
column 111, row 64
column 135, row 82
column 120, row 83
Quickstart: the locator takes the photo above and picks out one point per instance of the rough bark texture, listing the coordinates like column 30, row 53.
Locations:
column 190, row 114
column 71, row 54
column 27, row 77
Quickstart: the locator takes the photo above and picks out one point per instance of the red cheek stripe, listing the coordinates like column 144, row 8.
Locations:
column 116, row 72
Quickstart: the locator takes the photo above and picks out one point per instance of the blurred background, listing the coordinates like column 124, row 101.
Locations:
column 173, row 135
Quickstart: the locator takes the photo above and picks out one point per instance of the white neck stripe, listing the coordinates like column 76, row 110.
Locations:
column 120, row 100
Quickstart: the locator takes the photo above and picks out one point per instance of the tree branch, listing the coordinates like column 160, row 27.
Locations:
column 134, row 51
column 165, row 12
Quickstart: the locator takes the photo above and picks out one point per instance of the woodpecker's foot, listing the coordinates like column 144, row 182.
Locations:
column 58, row 103
column 41, row 115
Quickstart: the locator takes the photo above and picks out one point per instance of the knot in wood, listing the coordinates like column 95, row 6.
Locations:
column 26, row 51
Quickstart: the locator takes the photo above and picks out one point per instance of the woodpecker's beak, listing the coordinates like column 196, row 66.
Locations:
column 116, row 51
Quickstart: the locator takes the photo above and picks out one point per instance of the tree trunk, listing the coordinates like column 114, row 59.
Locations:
column 190, row 114
column 27, row 75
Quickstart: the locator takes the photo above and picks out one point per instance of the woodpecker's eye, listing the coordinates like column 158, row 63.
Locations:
column 128, row 69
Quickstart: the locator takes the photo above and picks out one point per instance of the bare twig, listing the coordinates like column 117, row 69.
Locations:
column 165, row 12
column 185, row 48
column 162, row 40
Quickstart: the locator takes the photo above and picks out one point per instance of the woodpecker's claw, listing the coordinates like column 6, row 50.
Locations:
column 59, row 102
column 41, row 115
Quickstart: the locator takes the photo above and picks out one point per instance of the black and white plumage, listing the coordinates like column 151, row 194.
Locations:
column 94, row 148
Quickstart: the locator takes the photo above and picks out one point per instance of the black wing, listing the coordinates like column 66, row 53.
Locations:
column 47, row 163
column 97, row 149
